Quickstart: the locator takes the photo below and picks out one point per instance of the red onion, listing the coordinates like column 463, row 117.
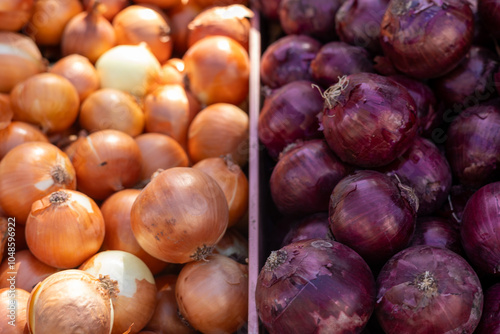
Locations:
column 426, row 289
column 489, row 15
column 424, row 168
column 314, row 226
column 288, row 59
column 373, row 214
column 336, row 59
column 424, row 98
column 304, row 177
column 480, row 229
column 369, row 120
column 315, row 286
column 426, row 39
column 471, row 81
column 490, row 320
column 309, row 17
column 288, row 114
column 357, row 22
column 268, row 8
column 473, row 144
column 454, row 205
column 439, row 232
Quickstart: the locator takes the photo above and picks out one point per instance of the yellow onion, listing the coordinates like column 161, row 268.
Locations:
column 219, row 129
column 135, row 298
column 232, row 181
column 211, row 3
column 20, row 59
column 64, row 229
column 108, row 8
column 160, row 3
column 180, row 215
column 71, row 301
column 14, row 14
column 29, row 172
column 47, row 100
column 13, row 303
column 180, row 16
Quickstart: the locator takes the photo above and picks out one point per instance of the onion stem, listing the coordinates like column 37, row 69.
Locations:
column 276, row 259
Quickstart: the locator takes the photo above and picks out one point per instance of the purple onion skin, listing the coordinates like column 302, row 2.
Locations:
column 313, row 226
column 489, row 14
column 357, row 22
column 269, row 8
column 288, row 59
column 427, row 289
column 490, row 320
column 439, row 232
column 373, row 214
column 472, row 78
column 480, row 229
column 425, row 100
column 289, row 114
column 315, row 286
column 304, row 177
column 473, row 144
column 424, row 168
column 336, row 59
column 454, row 205
column 425, row 40
column 309, row 17
column 371, row 122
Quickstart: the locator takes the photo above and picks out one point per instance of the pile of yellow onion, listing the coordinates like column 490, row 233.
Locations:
column 123, row 147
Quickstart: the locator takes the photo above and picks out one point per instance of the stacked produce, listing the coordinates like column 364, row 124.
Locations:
column 381, row 135
column 123, row 152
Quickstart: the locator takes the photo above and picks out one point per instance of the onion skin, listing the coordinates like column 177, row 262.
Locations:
column 213, row 295
column 371, row 122
column 288, row 59
column 309, row 17
column 424, row 168
column 86, row 305
column 13, row 310
column 473, row 144
column 336, row 59
column 412, row 36
column 304, row 177
column 357, row 22
column 453, row 208
column 425, row 289
column 314, row 226
column 14, row 14
column 17, row 133
column 180, row 215
column 315, row 286
column 480, row 229
column 289, row 113
column 233, row 245
column 491, row 313
column 438, row 232
column 383, row 225
column 489, row 13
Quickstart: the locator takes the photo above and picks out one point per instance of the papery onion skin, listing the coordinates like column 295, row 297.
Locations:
column 110, row 156
column 315, row 285
column 30, row 171
column 473, row 143
column 424, row 168
column 233, row 245
column 412, row 36
column 18, row 52
column 14, row 14
column 383, row 225
column 118, row 231
column 288, row 114
column 427, row 289
column 336, row 59
column 6, row 112
column 288, row 59
column 454, row 206
column 490, row 319
column 135, row 296
column 160, row 3
column 217, row 69
column 180, row 16
column 371, row 122
column 313, row 226
column 47, row 100
column 29, row 270
column 109, row 8
column 64, row 229
column 180, row 215
column 439, row 232
column 268, row 8
column 309, row 17
column 304, row 177
column 357, row 22
column 86, row 305
column 13, row 303
column 480, row 229
column 17, row 133
column 213, row 295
